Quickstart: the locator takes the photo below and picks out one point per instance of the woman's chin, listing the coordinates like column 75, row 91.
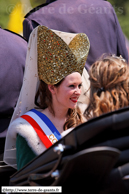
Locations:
column 73, row 106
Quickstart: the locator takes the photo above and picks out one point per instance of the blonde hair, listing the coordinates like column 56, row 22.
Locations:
column 109, row 86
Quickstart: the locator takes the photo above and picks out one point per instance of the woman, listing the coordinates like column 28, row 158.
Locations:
column 61, row 58
column 109, row 88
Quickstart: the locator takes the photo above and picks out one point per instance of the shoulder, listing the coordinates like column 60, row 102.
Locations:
column 15, row 34
column 20, row 126
column 9, row 33
column 13, row 43
column 24, row 129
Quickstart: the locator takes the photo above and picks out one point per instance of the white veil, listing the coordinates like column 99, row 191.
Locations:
column 30, row 84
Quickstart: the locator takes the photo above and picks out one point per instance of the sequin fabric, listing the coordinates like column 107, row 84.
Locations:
column 56, row 59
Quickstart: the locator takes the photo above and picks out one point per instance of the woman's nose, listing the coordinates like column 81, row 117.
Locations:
column 78, row 91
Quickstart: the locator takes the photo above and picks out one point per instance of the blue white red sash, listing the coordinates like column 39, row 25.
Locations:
column 44, row 128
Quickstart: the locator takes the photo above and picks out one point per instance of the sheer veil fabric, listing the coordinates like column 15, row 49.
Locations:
column 29, row 88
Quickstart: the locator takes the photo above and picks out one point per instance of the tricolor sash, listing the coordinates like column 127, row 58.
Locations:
column 44, row 128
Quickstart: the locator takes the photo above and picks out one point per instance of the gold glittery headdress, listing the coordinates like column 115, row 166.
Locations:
column 56, row 59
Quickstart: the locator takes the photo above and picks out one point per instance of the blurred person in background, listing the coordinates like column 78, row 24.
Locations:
column 96, row 18
column 109, row 85
column 13, row 50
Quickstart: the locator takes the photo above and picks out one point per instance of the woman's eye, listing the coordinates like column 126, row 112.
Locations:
column 71, row 86
column 80, row 85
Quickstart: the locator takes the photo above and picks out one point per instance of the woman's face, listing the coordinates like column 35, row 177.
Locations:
column 68, row 92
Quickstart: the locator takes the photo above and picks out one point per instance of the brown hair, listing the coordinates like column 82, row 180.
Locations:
column 109, row 88
column 44, row 95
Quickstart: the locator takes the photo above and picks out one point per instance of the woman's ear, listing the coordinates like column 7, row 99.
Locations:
column 51, row 88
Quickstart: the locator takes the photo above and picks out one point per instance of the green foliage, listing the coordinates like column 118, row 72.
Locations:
column 35, row 3
column 123, row 15
column 119, row 4
column 5, row 9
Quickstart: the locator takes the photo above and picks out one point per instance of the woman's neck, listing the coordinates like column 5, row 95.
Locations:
column 58, row 118
column 57, row 114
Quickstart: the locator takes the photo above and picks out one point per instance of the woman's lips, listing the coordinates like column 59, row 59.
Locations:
column 74, row 100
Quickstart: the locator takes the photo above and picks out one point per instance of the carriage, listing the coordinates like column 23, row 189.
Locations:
column 94, row 157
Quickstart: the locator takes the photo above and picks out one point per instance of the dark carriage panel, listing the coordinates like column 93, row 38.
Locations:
column 107, row 131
